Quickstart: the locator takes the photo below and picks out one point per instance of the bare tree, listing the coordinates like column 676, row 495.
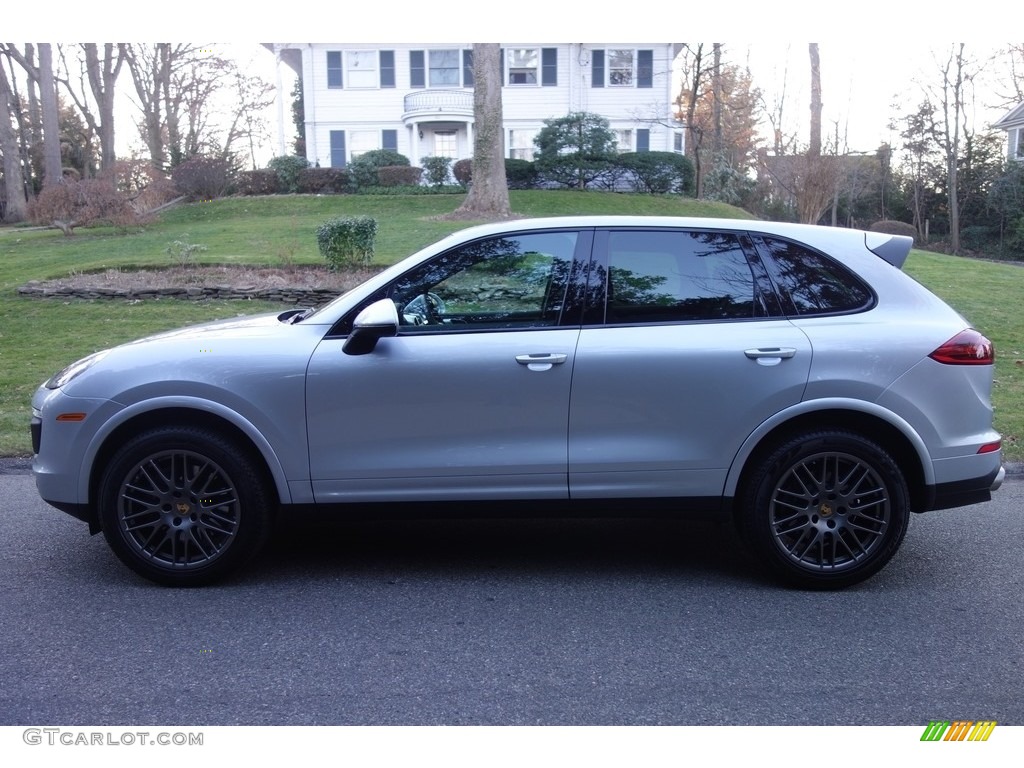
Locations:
column 951, row 97
column 14, row 186
column 694, row 75
column 488, row 195
column 42, row 77
column 97, row 77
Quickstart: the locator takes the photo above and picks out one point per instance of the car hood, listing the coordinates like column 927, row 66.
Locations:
column 249, row 325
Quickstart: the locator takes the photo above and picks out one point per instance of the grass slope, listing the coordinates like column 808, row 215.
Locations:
column 39, row 337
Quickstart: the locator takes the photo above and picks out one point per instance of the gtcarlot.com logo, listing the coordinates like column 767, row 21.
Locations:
column 958, row 730
column 69, row 738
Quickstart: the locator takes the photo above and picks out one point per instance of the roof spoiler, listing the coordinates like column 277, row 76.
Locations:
column 891, row 248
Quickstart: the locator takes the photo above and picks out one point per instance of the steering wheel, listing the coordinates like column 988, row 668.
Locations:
column 424, row 309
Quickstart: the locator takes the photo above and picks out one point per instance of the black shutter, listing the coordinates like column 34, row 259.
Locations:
column 337, row 149
column 467, row 68
column 387, row 69
column 334, row 69
column 389, row 139
column 643, row 140
column 549, row 66
column 417, row 70
column 597, row 69
column 645, row 69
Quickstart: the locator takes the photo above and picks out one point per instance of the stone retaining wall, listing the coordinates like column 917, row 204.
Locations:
column 307, row 297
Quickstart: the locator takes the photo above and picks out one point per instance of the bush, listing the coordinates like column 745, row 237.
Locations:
column 73, row 204
column 436, row 169
column 398, row 175
column 363, row 170
column 262, row 182
column 323, row 181
column 202, row 178
column 657, row 173
column 463, row 171
column 575, row 150
column 520, row 174
column 889, row 227
column 347, row 241
column 288, row 168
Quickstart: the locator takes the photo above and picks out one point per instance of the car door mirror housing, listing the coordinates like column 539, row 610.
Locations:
column 377, row 321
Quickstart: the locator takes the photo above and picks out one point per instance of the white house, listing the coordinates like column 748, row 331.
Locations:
column 418, row 99
column 1013, row 123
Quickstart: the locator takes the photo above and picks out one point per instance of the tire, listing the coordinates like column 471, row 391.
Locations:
column 183, row 506
column 824, row 510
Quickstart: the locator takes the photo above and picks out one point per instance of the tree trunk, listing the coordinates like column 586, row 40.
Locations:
column 814, row 150
column 716, row 100
column 52, row 168
column 102, row 81
column 488, row 195
column 17, row 207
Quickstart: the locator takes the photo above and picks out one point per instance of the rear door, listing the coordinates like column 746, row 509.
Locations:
column 683, row 357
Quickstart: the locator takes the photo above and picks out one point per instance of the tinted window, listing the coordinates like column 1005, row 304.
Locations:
column 503, row 282
column 671, row 276
column 813, row 284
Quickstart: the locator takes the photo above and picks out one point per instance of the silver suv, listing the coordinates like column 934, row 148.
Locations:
column 789, row 376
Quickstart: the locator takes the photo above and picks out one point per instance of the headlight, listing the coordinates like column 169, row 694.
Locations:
column 58, row 380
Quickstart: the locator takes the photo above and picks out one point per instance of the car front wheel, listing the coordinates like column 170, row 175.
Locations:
column 183, row 506
column 824, row 510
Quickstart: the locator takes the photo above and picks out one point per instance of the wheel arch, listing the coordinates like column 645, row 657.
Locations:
column 133, row 422
column 886, row 429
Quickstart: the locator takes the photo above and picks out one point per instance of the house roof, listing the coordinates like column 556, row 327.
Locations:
column 1011, row 119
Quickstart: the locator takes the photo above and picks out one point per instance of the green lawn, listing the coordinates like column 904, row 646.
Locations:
column 39, row 337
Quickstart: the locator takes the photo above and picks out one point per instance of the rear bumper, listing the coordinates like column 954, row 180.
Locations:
column 962, row 493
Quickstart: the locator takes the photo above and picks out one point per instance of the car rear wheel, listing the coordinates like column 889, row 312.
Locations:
column 183, row 506
column 824, row 510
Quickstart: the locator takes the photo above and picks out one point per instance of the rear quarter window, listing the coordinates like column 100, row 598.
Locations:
column 811, row 283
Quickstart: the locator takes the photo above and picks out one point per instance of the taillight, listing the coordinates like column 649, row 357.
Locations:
column 966, row 348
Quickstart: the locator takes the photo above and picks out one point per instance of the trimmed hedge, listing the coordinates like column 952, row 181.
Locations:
column 347, row 241
column 889, row 227
column 261, row 182
column 398, row 175
column 322, row 181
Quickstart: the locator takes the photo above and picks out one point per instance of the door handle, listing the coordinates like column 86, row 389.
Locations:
column 770, row 355
column 542, row 361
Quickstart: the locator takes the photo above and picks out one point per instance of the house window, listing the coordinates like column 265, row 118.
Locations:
column 624, row 139
column 444, row 68
column 362, row 141
column 334, row 69
column 677, row 142
column 445, row 144
column 387, row 69
column 531, row 66
column 520, row 143
column 389, row 139
column 361, row 69
column 620, row 66
column 522, row 66
column 1019, row 154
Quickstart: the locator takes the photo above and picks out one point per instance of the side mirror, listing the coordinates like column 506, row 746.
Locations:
column 378, row 320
